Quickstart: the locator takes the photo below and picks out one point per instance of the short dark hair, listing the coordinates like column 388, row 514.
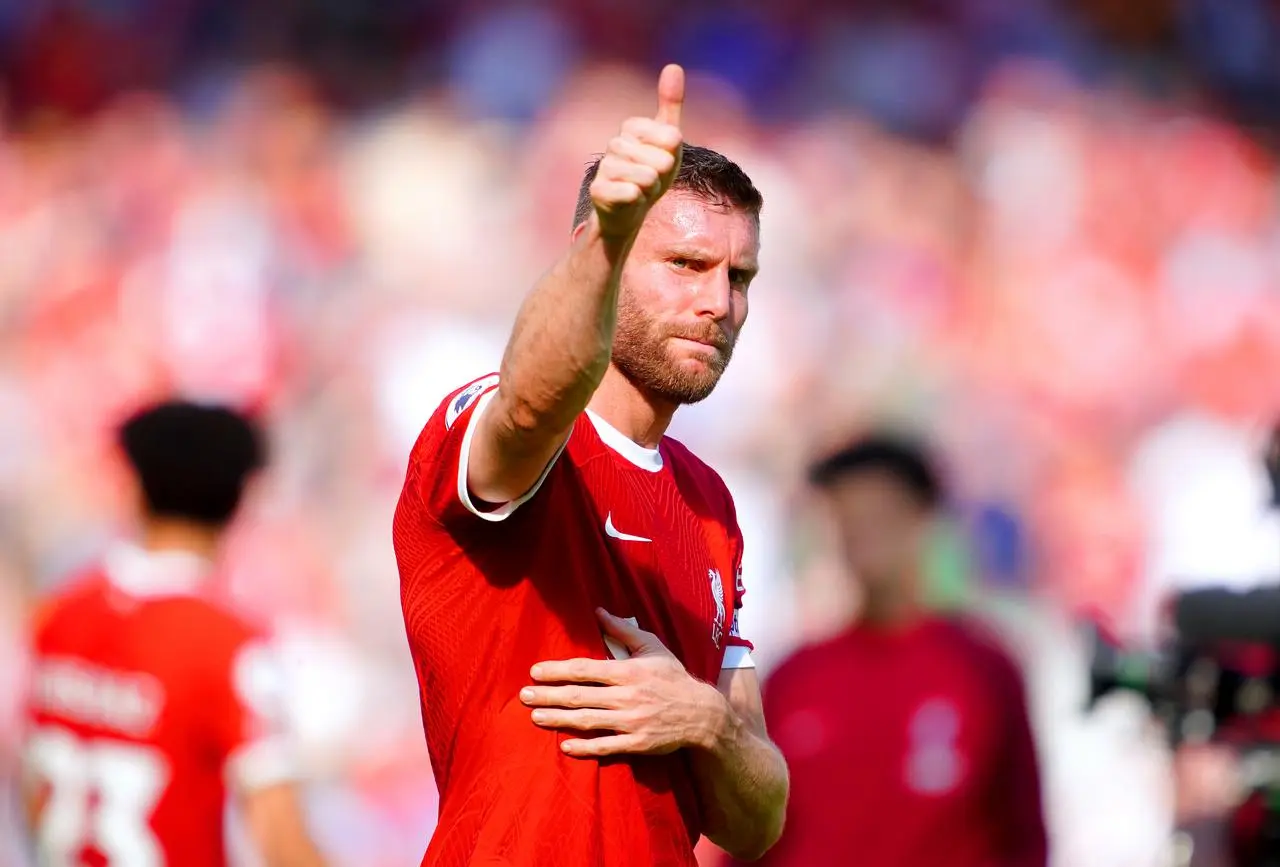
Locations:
column 905, row 460
column 192, row 461
column 703, row 172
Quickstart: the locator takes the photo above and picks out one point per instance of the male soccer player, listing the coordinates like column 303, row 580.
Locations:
column 907, row 735
column 147, row 700
column 558, row 553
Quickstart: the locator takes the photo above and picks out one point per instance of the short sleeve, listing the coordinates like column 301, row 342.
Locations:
column 737, row 651
column 251, row 730
column 438, row 466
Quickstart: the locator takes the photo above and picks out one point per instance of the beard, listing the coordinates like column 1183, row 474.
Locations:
column 643, row 353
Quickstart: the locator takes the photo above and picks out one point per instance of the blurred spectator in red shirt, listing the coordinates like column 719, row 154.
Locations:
column 907, row 735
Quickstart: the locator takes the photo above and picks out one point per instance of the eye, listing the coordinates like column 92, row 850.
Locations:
column 680, row 263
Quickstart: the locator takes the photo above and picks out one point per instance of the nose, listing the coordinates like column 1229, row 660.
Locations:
column 714, row 296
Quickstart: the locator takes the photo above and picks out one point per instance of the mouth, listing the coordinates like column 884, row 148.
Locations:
column 701, row 345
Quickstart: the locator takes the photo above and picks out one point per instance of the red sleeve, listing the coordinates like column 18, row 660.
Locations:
column 437, row 467
column 1019, row 813
column 735, row 638
column 737, row 648
column 248, row 718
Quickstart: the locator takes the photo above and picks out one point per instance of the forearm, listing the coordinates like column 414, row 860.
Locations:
column 278, row 826
column 563, row 336
column 298, row 852
column 31, row 803
column 743, row 783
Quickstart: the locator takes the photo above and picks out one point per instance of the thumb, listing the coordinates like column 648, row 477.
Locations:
column 670, row 95
column 626, row 633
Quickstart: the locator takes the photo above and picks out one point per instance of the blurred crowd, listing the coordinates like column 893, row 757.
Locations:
column 913, row 64
column 1077, row 299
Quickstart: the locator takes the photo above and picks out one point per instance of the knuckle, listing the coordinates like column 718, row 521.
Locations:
column 661, row 135
column 600, row 188
column 614, row 192
column 637, row 127
column 664, row 161
column 609, row 167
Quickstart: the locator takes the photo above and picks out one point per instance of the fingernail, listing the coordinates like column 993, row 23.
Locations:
column 526, row 694
column 538, row 716
column 565, row 746
column 536, row 671
column 604, row 613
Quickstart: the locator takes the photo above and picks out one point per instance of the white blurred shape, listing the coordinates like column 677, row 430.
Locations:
column 1212, row 283
column 419, row 360
column 1033, row 178
column 1206, row 496
column 326, row 690
column 415, row 184
column 217, row 334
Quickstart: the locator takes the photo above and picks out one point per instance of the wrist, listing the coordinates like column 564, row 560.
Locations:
column 719, row 723
column 616, row 240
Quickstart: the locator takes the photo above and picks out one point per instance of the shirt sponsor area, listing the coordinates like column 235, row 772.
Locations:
column 76, row 691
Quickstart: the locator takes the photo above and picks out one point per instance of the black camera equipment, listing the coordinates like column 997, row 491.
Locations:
column 1214, row 680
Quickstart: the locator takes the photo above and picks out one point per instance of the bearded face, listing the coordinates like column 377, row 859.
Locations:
column 680, row 364
column 683, row 297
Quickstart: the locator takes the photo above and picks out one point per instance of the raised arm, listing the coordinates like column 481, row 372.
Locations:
column 563, row 336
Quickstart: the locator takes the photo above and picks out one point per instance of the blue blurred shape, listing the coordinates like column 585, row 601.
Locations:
column 999, row 545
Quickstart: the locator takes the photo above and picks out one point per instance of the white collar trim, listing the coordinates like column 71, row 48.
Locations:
column 632, row 451
column 143, row 573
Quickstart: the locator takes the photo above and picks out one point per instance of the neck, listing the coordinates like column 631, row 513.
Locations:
column 890, row 604
column 629, row 409
column 170, row 534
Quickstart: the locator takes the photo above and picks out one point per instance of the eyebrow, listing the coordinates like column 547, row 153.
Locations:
column 693, row 251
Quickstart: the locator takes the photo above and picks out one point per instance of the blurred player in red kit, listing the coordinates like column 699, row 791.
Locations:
column 907, row 735
column 569, row 575
column 148, row 700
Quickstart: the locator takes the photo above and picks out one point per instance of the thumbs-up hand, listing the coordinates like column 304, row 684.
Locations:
column 641, row 162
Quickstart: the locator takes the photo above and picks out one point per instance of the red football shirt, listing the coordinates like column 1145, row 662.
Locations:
column 645, row 533
column 146, row 701
column 907, row 749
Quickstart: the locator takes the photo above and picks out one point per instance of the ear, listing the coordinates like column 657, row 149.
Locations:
column 578, row 230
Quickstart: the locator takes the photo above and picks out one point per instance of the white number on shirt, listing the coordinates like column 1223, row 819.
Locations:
column 101, row 794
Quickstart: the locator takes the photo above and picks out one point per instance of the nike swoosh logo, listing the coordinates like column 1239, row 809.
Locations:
column 612, row 531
